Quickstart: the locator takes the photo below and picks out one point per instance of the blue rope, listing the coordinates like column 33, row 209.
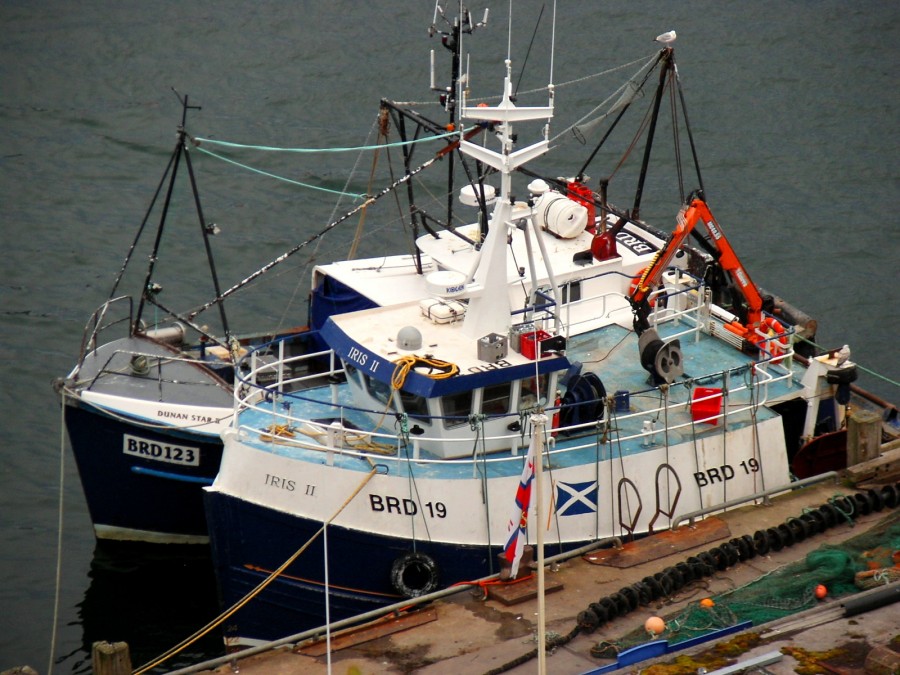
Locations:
column 282, row 178
column 268, row 148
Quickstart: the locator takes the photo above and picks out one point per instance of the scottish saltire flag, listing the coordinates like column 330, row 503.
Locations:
column 574, row 499
column 515, row 542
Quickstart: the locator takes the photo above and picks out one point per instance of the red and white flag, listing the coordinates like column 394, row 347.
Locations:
column 518, row 524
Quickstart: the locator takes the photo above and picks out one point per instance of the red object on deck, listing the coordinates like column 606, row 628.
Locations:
column 701, row 411
column 529, row 343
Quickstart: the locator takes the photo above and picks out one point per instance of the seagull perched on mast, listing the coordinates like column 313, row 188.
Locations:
column 666, row 39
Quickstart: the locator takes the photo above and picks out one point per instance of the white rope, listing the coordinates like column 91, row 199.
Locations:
column 59, row 535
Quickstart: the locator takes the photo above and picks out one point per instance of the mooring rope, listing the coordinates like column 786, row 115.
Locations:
column 256, row 591
column 59, row 527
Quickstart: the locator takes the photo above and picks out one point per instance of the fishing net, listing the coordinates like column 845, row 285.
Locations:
column 868, row 560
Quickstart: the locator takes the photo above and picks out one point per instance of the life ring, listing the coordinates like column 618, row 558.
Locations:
column 414, row 575
column 776, row 337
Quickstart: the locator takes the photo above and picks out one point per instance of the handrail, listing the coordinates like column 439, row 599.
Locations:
column 762, row 494
column 94, row 327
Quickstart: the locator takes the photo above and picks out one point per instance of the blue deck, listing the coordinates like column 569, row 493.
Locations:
column 611, row 352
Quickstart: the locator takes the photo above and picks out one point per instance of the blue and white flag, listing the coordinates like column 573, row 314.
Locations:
column 575, row 499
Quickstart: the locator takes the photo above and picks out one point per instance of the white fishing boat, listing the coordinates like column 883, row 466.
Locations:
column 658, row 378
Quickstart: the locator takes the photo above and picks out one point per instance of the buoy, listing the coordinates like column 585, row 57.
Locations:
column 654, row 625
column 707, row 602
column 821, row 592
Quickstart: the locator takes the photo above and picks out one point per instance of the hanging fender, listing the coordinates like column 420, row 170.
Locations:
column 414, row 575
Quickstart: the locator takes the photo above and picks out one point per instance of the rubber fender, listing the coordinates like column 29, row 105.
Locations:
column 687, row 573
column 707, row 559
column 665, row 582
column 587, row 621
column 612, row 610
column 676, row 576
column 744, row 547
column 631, row 595
column 621, row 604
column 414, row 575
column 776, row 543
column 655, row 588
column 814, row 520
column 875, row 500
column 761, row 542
column 721, row 558
column 889, row 496
column 731, row 553
column 699, row 569
column 645, row 595
column 599, row 611
column 787, row 534
column 846, row 507
column 862, row 503
column 797, row 528
column 829, row 513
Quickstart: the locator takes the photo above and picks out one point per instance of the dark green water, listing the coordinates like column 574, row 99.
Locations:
column 793, row 106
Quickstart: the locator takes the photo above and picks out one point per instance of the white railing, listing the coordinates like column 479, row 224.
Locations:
column 751, row 381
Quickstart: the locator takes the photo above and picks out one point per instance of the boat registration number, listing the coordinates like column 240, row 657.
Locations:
column 160, row 452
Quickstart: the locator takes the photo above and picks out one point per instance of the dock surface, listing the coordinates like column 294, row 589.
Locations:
column 468, row 633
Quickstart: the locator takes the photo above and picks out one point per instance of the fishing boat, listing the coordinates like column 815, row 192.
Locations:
column 649, row 377
column 148, row 398
column 152, row 388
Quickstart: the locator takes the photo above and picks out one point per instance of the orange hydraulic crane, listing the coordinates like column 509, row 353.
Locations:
column 696, row 212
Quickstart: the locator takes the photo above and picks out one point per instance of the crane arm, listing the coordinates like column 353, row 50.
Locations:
column 696, row 212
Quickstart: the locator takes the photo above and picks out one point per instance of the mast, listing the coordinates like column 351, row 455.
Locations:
column 489, row 309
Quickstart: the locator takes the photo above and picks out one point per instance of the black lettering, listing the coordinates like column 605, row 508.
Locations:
column 393, row 505
column 700, row 477
column 713, row 475
column 409, row 507
column 376, row 502
column 727, row 471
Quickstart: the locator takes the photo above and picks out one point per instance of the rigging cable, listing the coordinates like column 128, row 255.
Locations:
column 258, row 589
column 59, row 527
column 284, row 256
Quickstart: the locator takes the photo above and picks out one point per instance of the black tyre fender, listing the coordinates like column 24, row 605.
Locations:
column 414, row 575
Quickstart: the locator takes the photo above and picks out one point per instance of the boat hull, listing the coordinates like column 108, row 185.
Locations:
column 142, row 483
column 439, row 521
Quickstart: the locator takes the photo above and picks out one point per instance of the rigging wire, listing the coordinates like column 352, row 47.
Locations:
column 59, row 527
column 165, row 656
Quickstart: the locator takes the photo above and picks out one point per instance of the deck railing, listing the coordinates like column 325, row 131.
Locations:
column 269, row 385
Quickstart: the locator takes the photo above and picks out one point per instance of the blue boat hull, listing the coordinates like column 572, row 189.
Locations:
column 137, row 498
column 249, row 542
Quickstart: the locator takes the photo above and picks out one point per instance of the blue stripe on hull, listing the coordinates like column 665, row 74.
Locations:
column 127, row 493
column 249, row 541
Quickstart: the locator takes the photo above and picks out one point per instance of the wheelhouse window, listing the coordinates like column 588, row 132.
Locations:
column 457, row 408
column 532, row 391
column 413, row 404
column 495, row 400
column 571, row 292
column 380, row 390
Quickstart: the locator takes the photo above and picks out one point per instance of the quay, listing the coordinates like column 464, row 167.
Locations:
column 491, row 628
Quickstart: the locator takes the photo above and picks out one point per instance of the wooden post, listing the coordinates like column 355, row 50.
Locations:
column 863, row 436
column 111, row 658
